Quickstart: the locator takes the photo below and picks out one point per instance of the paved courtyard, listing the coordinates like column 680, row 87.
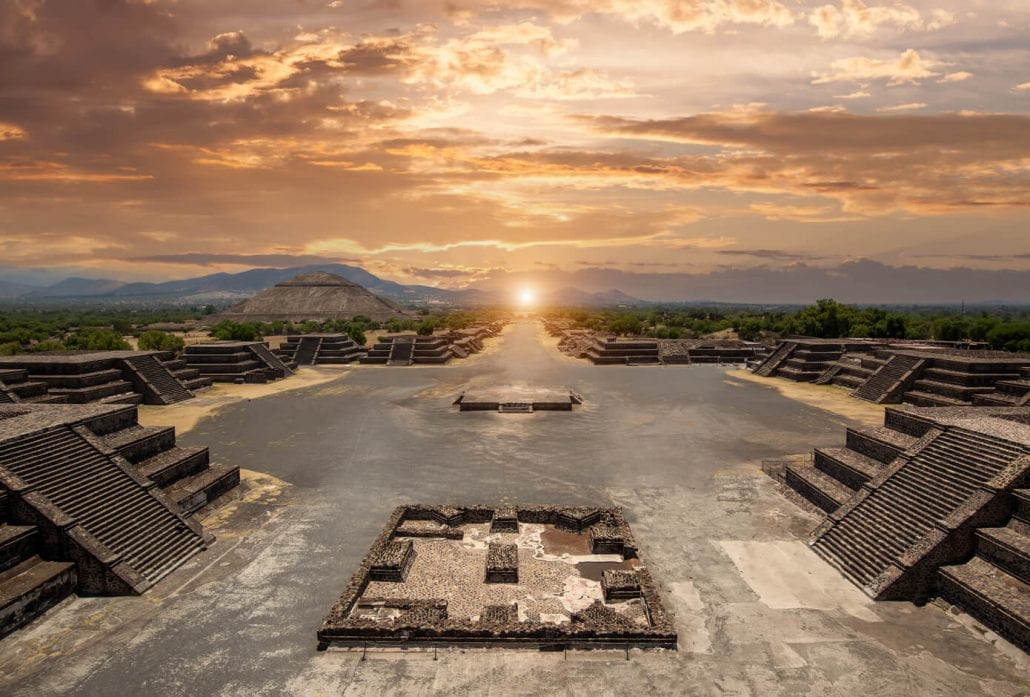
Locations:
column 679, row 447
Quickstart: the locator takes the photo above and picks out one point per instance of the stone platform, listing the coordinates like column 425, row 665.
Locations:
column 93, row 502
column 517, row 400
column 537, row 585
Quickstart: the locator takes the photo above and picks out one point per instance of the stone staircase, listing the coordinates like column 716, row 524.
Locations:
column 307, row 350
column 401, row 353
column 777, row 357
column 883, row 536
column 272, row 362
column 154, row 381
column 889, row 382
column 994, row 586
column 80, row 483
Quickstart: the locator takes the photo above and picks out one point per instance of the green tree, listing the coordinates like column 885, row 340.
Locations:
column 154, row 340
column 236, row 331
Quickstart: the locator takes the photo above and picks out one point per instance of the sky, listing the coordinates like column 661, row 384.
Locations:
column 456, row 142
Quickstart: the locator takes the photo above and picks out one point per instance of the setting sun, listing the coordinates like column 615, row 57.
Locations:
column 527, row 297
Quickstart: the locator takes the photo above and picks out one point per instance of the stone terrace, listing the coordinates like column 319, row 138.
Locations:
column 934, row 503
column 237, row 361
column 93, row 502
column 106, row 377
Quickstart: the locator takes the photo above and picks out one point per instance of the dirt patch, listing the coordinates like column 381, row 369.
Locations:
column 186, row 415
column 558, row 542
column 593, row 570
column 826, row 397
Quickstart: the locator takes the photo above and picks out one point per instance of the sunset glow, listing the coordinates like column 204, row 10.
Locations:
column 480, row 143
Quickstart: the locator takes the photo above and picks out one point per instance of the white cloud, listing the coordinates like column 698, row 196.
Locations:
column 853, row 18
column 911, row 106
column 909, row 67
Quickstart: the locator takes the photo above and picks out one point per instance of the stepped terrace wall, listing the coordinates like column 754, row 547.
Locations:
column 109, row 377
column 482, row 575
column 930, row 504
column 104, row 501
column 235, row 361
column 944, row 378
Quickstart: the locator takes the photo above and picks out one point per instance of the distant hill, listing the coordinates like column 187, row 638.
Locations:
column 222, row 288
column 570, row 296
column 14, row 290
column 76, row 287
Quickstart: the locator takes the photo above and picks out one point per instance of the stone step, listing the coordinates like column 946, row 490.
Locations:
column 851, row 468
column 957, row 377
column 134, row 398
column 198, row 490
column 30, row 588
column 173, row 464
column 198, row 383
column 818, row 487
column 997, row 599
column 880, row 444
column 1007, row 549
column 1022, row 498
column 948, row 389
column 84, row 395
column 17, row 543
column 73, row 380
column 138, row 443
column 921, row 398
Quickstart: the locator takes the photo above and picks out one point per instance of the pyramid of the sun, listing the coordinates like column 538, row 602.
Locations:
column 315, row 296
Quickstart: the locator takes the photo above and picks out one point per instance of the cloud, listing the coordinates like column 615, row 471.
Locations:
column 8, row 131
column 909, row 67
column 436, row 273
column 854, row 18
column 868, row 164
column 956, row 77
column 773, row 254
column 857, row 94
column 910, row 106
column 676, row 16
column 273, row 260
column 1024, row 87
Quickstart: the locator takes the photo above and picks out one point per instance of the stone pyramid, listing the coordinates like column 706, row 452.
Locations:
column 315, row 296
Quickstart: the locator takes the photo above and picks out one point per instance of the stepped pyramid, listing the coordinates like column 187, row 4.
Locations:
column 315, row 296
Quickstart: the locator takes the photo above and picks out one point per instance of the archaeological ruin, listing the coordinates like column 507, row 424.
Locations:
column 237, row 361
column 105, row 377
column 411, row 349
column 935, row 503
column 319, row 349
column 93, row 503
column 543, row 577
column 318, row 296
column 601, row 349
column 919, row 373
column 517, row 400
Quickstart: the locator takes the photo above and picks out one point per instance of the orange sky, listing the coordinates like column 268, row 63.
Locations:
column 441, row 142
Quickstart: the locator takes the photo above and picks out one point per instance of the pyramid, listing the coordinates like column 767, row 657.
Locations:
column 315, row 296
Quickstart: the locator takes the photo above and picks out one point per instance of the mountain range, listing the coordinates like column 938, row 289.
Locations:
column 861, row 281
